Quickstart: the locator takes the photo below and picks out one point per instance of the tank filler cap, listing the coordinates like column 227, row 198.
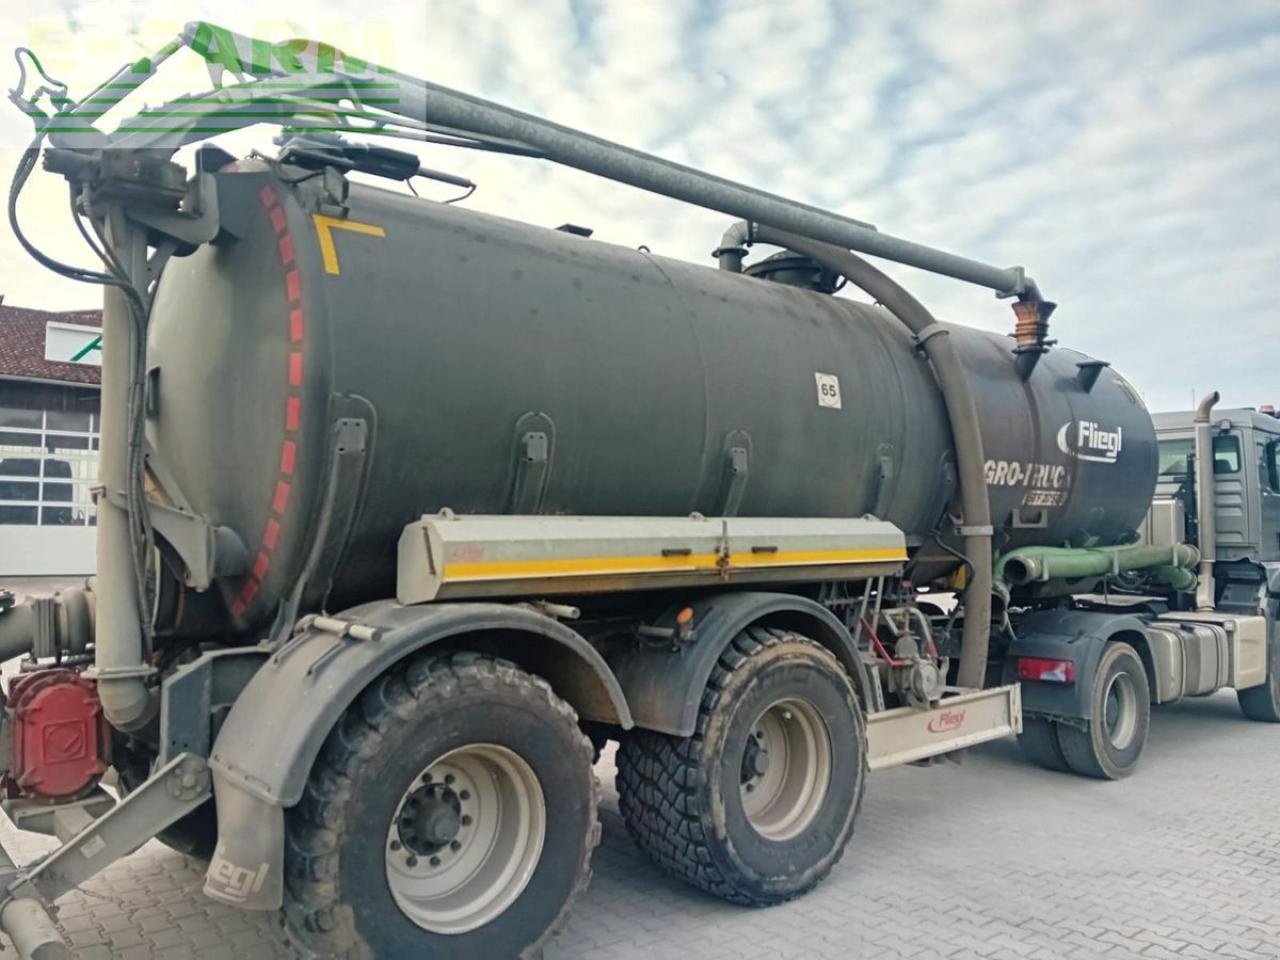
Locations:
column 795, row 270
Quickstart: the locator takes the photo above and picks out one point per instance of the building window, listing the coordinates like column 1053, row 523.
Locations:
column 48, row 464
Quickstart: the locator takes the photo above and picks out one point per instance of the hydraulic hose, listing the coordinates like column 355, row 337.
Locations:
column 962, row 412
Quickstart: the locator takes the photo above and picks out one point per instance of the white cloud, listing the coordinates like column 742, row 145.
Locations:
column 1126, row 154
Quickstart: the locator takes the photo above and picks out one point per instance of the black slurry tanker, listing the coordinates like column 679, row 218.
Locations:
column 404, row 509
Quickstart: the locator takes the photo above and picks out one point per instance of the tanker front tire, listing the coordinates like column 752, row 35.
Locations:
column 1110, row 743
column 451, row 813
column 1263, row 703
column 757, row 806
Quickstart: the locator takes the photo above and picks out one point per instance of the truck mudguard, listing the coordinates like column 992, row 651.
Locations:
column 1079, row 636
column 303, row 688
column 664, row 679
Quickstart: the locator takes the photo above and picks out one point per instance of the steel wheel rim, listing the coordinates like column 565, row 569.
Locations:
column 465, row 838
column 1120, row 711
column 783, row 792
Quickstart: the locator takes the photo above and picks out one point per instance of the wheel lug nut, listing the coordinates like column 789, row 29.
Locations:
column 464, row 795
column 435, row 861
column 455, row 846
column 426, row 778
column 412, row 861
column 395, row 845
column 750, row 787
column 466, row 820
column 448, row 778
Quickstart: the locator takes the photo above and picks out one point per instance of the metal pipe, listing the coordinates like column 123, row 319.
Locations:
column 119, row 667
column 17, row 631
column 26, row 919
column 422, row 102
column 430, row 103
column 962, row 413
column 1031, row 564
column 1206, row 508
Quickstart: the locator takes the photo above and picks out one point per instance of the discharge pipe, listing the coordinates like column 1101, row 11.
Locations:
column 1037, row 564
column 962, row 412
column 1206, row 508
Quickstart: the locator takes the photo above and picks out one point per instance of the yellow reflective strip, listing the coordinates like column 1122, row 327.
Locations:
column 590, row 566
column 797, row 558
column 324, row 235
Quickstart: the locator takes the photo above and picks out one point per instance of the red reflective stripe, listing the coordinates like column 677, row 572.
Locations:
column 287, row 250
column 281, row 499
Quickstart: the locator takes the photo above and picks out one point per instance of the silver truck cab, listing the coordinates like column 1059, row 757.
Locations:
column 1246, row 468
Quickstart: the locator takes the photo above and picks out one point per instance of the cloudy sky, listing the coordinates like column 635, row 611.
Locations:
column 1128, row 154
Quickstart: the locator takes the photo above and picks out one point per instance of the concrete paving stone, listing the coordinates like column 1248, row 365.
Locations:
column 991, row 860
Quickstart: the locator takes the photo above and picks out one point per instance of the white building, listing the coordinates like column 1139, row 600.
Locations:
column 49, row 375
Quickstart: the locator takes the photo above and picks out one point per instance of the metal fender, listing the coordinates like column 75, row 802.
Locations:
column 273, row 733
column 663, row 682
column 1076, row 635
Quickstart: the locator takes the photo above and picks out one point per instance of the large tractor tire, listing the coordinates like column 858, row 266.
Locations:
column 1119, row 718
column 1263, row 703
column 451, row 814
column 1039, row 743
column 757, row 806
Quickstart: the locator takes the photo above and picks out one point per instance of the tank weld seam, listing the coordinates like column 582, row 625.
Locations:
column 282, row 492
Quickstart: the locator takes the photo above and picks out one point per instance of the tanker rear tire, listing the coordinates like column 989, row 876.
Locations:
column 1263, row 703
column 387, row 813
column 709, row 811
column 1119, row 718
column 1039, row 743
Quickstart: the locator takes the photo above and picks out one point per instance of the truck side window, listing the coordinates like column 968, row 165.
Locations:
column 1226, row 454
column 1271, row 458
column 1173, row 456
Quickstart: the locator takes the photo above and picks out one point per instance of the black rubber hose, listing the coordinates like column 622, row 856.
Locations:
column 962, row 412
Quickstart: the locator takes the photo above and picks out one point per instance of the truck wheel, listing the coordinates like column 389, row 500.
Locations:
column 1039, row 742
column 1119, row 717
column 757, row 806
column 1263, row 703
column 451, row 813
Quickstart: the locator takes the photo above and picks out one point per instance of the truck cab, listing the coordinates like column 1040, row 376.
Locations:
column 1246, row 471
column 1092, row 665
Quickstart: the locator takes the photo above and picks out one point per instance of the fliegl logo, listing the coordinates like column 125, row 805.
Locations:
column 1086, row 440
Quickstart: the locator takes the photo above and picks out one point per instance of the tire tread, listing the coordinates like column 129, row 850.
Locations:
column 660, row 776
column 319, row 923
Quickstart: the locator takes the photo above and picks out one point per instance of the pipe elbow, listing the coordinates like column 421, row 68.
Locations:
column 127, row 702
column 733, row 246
column 1205, row 407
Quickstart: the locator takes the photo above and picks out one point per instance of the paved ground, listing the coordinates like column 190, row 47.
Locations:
column 991, row 859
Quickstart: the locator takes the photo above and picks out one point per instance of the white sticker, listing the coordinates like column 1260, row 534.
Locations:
column 828, row 390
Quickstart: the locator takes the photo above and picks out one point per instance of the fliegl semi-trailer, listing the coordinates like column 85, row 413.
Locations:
column 405, row 508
